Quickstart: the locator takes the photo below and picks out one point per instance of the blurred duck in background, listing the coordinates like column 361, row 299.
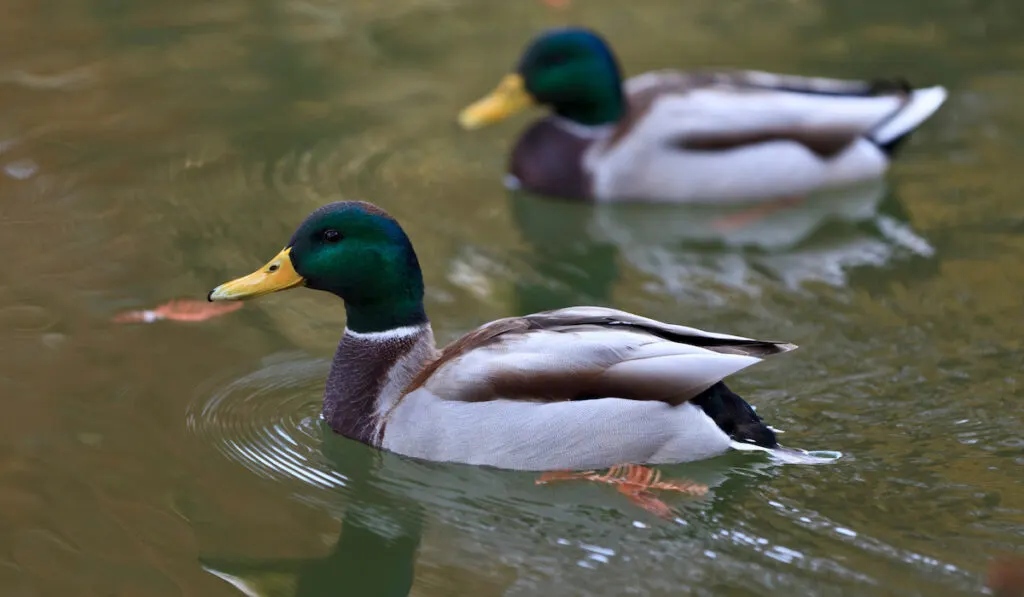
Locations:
column 692, row 137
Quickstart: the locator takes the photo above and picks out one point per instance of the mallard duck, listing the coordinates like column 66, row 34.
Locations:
column 574, row 388
column 688, row 137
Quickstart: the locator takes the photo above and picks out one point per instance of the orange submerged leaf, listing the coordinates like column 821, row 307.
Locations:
column 179, row 310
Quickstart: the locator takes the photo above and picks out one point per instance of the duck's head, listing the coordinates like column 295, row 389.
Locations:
column 354, row 250
column 572, row 70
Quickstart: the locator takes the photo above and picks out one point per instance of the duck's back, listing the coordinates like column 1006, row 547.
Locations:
column 571, row 388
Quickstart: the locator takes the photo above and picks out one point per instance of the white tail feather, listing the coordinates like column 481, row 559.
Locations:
column 921, row 105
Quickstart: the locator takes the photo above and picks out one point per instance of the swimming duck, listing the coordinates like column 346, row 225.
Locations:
column 688, row 137
column 568, row 389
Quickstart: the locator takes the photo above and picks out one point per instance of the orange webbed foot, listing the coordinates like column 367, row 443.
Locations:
column 648, row 501
column 635, row 482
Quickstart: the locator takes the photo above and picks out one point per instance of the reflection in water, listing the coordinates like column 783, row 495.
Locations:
column 569, row 266
column 380, row 529
column 709, row 250
column 149, row 149
column 363, row 546
column 379, row 532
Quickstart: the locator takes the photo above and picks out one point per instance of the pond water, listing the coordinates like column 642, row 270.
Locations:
column 151, row 150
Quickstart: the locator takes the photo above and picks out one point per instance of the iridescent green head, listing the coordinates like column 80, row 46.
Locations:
column 572, row 70
column 354, row 250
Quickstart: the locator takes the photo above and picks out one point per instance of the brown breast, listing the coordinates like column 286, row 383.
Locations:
column 548, row 160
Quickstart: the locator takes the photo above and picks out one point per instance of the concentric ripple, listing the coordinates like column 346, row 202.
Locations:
column 268, row 421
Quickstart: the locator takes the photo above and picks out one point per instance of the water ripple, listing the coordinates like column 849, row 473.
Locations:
column 268, row 421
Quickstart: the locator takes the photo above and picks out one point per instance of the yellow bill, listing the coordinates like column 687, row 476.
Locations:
column 277, row 274
column 509, row 97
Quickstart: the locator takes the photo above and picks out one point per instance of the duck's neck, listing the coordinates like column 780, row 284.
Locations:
column 369, row 373
column 603, row 102
column 606, row 110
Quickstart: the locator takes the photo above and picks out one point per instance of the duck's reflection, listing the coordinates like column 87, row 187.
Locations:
column 579, row 250
column 374, row 556
column 570, row 265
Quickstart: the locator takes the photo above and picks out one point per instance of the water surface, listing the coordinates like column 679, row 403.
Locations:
column 150, row 150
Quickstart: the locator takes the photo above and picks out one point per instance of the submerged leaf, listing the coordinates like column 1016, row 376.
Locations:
column 178, row 310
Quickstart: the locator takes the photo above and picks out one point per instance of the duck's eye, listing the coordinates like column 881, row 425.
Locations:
column 331, row 235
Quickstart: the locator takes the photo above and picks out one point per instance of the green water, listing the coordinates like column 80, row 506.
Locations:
column 151, row 150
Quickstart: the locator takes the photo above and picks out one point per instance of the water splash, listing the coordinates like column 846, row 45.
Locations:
column 792, row 455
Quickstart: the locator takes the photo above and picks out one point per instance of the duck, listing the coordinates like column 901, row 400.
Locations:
column 685, row 137
column 566, row 389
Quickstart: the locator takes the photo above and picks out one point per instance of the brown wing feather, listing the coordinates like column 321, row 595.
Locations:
column 583, row 382
column 823, row 143
column 479, row 337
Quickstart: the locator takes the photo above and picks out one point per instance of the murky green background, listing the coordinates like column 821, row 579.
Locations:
column 150, row 150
